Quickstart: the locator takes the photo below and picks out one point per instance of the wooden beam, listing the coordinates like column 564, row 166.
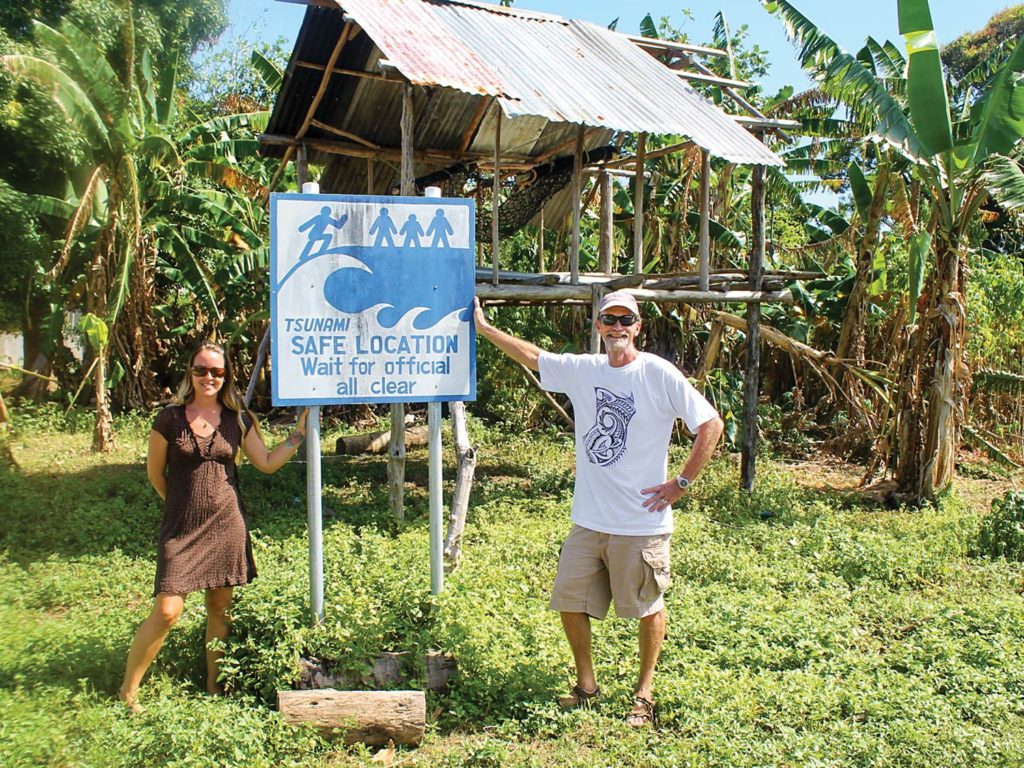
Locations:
column 474, row 123
column 322, row 89
column 638, row 205
column 652, row 155
column 351, row 72
column 653, row 43
column 705, row 217
column 344, row 134
column 496, row 195
column 577, row 167
column 318, row 3
column 700, row 77
column 289, row 151
column 563, row 292
column 387, row 153
column 748, row 460
column 567, row 144
column 755, row 123
column 742, row 102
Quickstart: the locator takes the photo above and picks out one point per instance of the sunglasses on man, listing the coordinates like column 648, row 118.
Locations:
column 624, row 320
column 199, row 371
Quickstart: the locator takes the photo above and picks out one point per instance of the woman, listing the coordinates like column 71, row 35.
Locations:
column 204, row 538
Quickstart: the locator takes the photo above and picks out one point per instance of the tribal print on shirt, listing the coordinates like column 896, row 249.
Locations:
column 606, row 440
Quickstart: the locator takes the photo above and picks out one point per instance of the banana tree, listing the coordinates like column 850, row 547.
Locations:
column 959, row 162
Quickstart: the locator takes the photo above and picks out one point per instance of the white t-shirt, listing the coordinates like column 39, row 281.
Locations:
column 624, row 418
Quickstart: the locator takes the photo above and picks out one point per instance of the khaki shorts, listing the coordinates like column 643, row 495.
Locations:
column 595, row 568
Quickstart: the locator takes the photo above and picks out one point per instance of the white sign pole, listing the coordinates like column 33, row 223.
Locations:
column 314, row 505
column 436, row 479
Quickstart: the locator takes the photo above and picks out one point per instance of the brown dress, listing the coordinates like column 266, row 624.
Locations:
column 204, row 538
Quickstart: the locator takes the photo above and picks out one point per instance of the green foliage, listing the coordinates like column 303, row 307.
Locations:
column 1002, row 530
column 805, row 627
column 971, row 49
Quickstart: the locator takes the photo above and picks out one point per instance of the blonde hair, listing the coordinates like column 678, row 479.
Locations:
column 228, row 395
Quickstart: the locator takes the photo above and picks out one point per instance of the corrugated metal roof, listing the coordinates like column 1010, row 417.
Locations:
column 546, row 66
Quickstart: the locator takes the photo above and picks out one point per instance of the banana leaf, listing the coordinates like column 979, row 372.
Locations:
column 926, row 84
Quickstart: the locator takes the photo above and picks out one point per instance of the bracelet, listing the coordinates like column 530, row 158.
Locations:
column 295, row 438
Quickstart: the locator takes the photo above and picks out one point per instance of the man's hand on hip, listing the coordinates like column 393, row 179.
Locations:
column 661, row 496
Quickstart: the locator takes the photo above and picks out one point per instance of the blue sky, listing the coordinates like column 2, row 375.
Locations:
column 849, row 23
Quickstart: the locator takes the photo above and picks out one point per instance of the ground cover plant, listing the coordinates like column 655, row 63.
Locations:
column 807, row 627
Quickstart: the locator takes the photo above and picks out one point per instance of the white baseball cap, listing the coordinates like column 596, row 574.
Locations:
column 619, row 299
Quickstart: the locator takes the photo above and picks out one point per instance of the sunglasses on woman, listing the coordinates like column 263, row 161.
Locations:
column 624, row 320
column 199, row 371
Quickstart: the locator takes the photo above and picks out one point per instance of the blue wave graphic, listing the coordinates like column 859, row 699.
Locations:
column 396, row 281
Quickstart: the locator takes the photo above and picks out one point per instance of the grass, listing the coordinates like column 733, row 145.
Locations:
column 829, row 633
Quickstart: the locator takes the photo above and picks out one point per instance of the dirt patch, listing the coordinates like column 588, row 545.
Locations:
column 978, row 482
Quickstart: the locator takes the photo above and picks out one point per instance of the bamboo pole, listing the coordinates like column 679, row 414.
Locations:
column 638, row 205
column 577, row 175
column 705, row 218
column 750, row 388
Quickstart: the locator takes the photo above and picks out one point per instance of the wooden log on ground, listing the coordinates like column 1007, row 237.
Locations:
column 378, row 442
column 370, row 717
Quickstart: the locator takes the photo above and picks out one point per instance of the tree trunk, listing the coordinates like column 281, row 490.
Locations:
column 103, row 433
column 934, row 382
column 852, row 335
column 32, row 387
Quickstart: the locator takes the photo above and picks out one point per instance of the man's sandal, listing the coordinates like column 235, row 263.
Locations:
column 642, row 713
column 578, row 697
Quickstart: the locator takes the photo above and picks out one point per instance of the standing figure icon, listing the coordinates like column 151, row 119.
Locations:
column 440, row 228
column 384, row 228
column 413, row 231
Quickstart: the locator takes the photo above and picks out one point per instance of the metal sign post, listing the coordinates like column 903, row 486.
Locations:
column 436, row 480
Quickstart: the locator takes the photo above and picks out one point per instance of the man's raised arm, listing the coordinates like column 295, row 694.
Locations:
column 523, row 352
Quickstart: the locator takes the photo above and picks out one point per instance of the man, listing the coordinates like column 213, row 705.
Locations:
column 625, row 404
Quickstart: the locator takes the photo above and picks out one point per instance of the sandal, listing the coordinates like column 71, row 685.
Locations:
column 642, row 713
column 578, row 697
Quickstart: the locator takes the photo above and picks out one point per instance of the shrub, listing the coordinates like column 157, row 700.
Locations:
column 1002, row 531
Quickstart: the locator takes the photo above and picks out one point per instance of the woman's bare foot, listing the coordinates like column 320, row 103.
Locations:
column 128, row 699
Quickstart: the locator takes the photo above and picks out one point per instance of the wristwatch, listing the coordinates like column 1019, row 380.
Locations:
column 682, row 482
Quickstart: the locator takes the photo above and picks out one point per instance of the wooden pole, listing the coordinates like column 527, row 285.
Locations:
column 261, row 355
column 369, row 175
column 705, row 218
column 396, row 450
column 496, row 194
column 466, row 454
column 598, row 291
column 750, row 388
column 638, row 205
column 607, row 233
column 541, row 261
column 301, row 177
column 577, row 175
